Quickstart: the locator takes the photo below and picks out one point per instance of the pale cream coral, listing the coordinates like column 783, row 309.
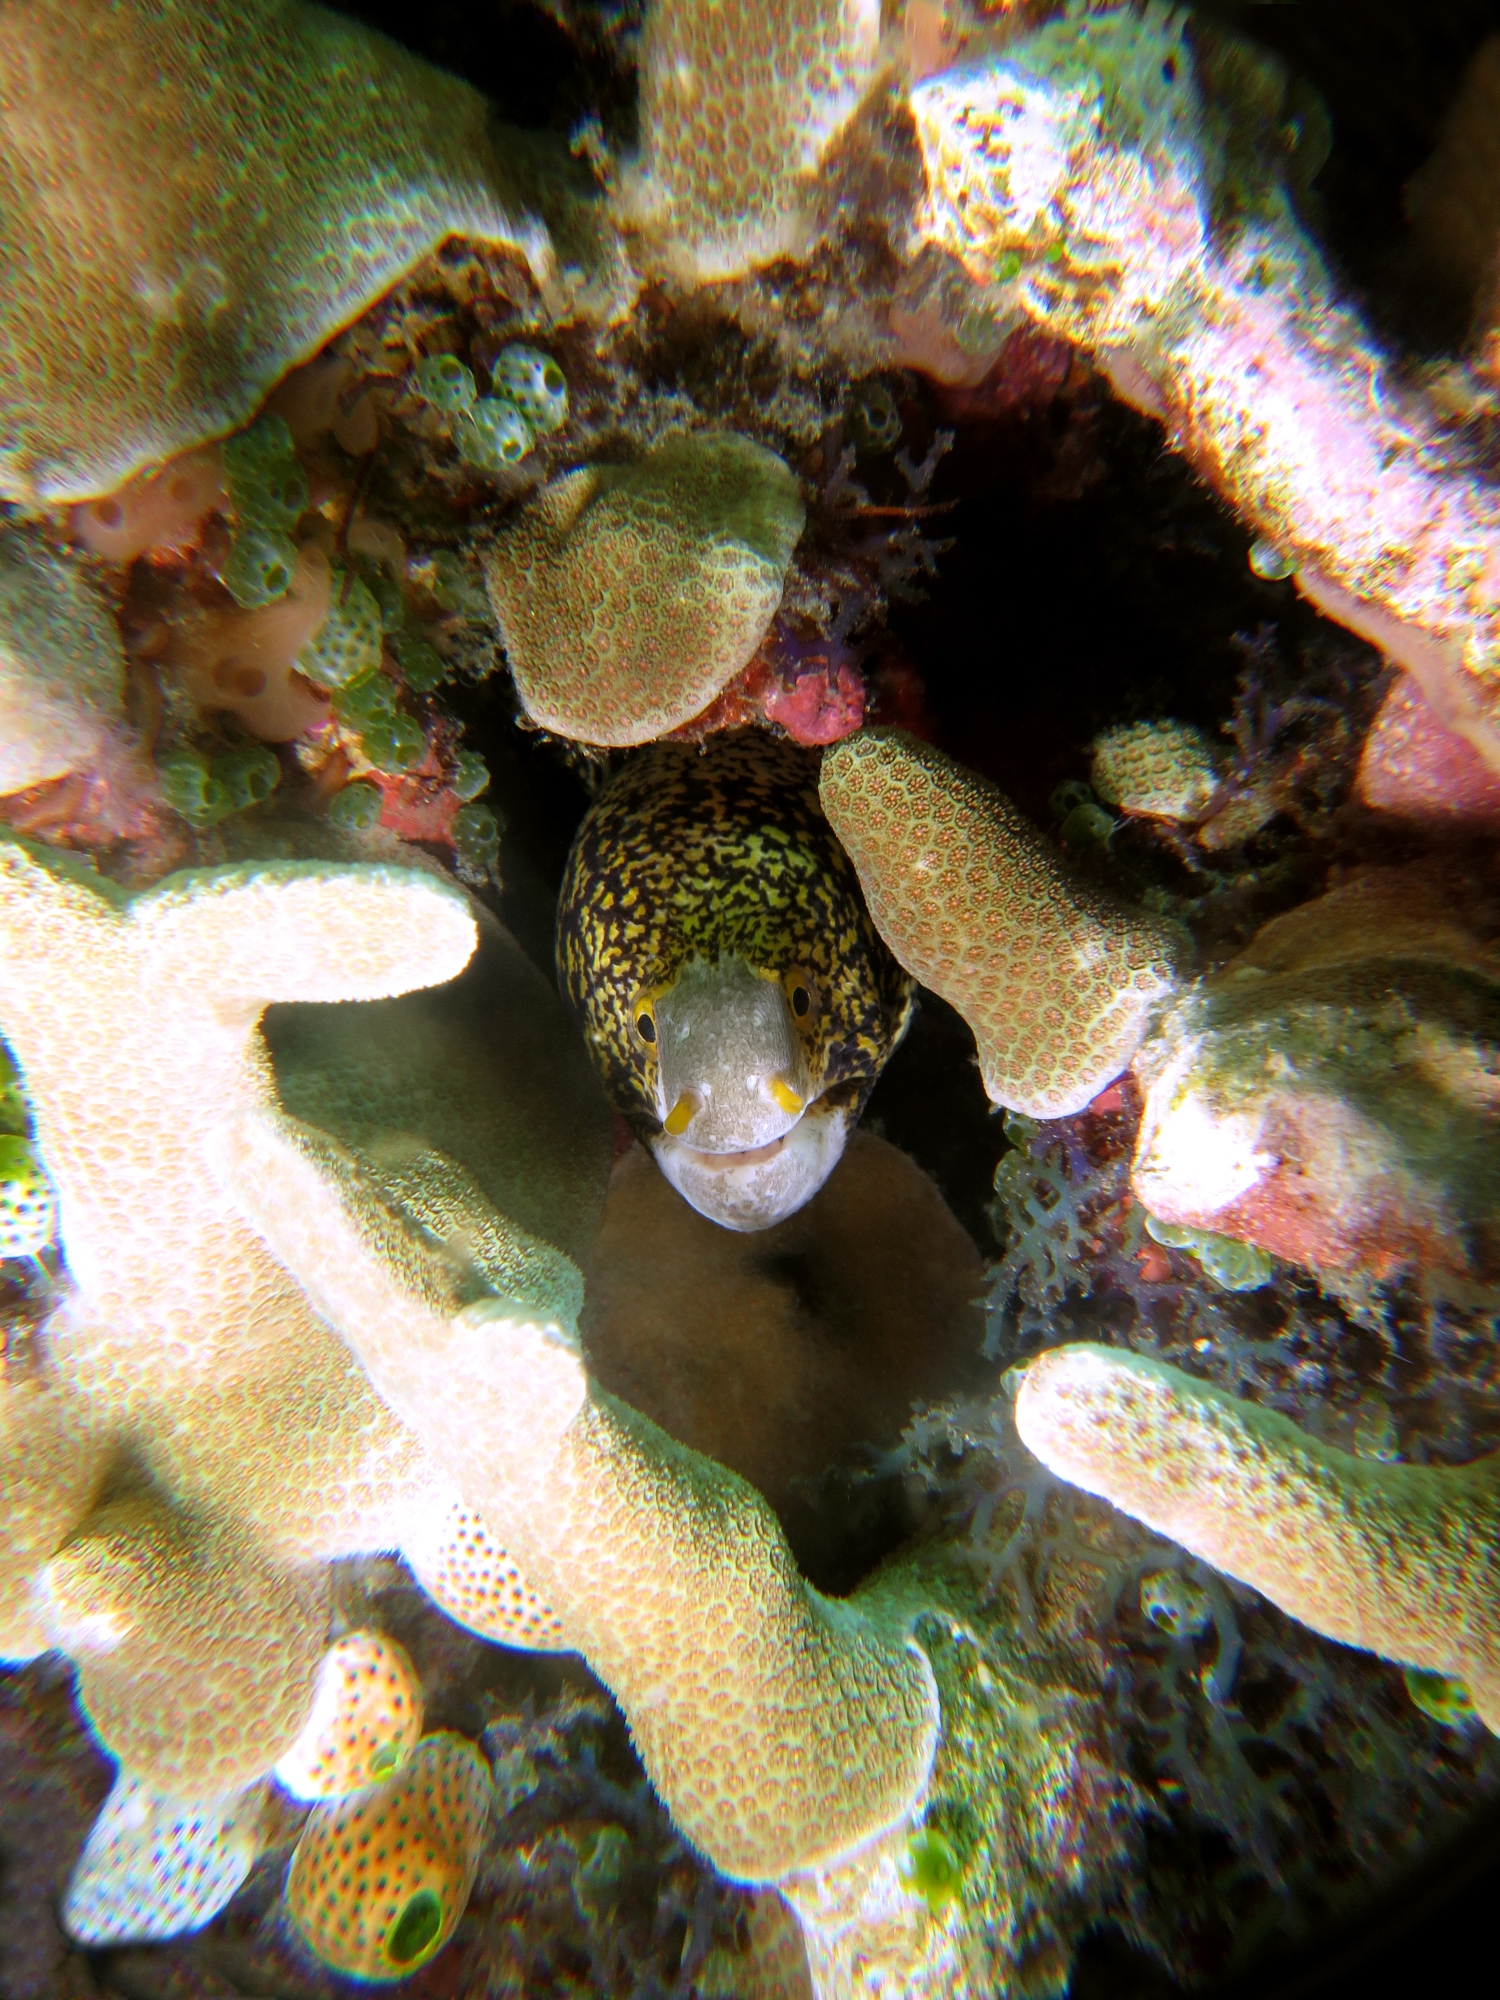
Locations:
column 1162, row 770
column 740, row 101
column 62, row 666
column 629, row 596
column 1403, row 1560
column 135, row 1025
column 193, row 198
column 781, row 1728
column 1057, row 985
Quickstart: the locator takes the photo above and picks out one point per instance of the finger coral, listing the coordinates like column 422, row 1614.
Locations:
column 1057, row 985
column 194, row 1602
column 1398, row 1559
column 739, row 104
column 780, row 1728
column 365, row 1721
column 62, row 667
column 378, row 1881
column 629, row 596
column 193, row 199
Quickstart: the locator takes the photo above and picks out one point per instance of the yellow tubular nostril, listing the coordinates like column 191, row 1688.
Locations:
column 785, row 1096
column 680, row 1116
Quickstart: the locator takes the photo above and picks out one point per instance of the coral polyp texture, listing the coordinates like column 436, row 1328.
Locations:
column 194, row 1599
column 1058, row 985
column 193, row 198
column 739, row 104
column 379, row 1881
column 154, row 1866
column 365, row 1720
column 1162, row 770
column 629, row 596
column 1078, row 174
column 781, row 1729
column 62, row 667
column 1398, row 1559
column 1329, row 1094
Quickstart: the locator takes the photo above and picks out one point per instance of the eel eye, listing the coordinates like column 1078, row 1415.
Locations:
column 799, row 994
column 645, row 1025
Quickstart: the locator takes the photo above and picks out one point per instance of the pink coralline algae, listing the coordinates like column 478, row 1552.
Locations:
column 1412, row 766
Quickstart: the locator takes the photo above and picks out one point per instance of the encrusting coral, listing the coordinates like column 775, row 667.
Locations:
column 1056, row 984
column 737, row 110
column 1398, row 1559
column 1162, row 770
column 629, row 596
column 62, row 667
column 1329, row 1094
column 194, row 198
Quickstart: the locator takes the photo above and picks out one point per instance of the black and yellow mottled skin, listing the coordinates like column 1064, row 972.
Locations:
column 722, row 849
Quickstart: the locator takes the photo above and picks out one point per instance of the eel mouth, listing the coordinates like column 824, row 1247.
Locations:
column 757, row 1186
column 752, row 1156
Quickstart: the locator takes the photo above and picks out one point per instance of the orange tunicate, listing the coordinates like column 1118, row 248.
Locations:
column 156, row 512
column 379, row 1881
column 245, row 661
column 365, row 1721
column 1057, row 983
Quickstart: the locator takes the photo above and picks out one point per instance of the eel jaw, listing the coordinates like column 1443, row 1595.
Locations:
column 754, row 1189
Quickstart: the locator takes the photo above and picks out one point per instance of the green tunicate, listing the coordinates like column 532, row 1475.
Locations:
column 366, row 700
column 1087, row 826
column 444, row 381
column 260, row 565
column 189, row 788
column 931, row 1868
column 394, row 744
column 413, row 1932
column 15, row 1112
column 874, row 420
column 1175, row 1604
column 387, row 594
column 456, row 586
column 247, row 775
column 535, row 384
column 1233, row 1266
column 357, row 807
column 268, row 491
column 347, row 643
column 205, row 790
column 494, row 434
column 476, row 837
column 599, row 1882
column 1440, row 1696
column 470, row 774
column 423, row 667
column 1007, row 266
column 1270, row 563
column 28, row 1214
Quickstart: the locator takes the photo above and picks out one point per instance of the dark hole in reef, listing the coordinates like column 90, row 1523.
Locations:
column 512, row 51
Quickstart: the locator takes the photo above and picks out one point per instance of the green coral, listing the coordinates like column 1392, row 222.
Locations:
column 28, row 1211
column 931, row 1867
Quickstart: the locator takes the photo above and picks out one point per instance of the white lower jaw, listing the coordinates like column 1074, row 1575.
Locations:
column 753, row 1190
